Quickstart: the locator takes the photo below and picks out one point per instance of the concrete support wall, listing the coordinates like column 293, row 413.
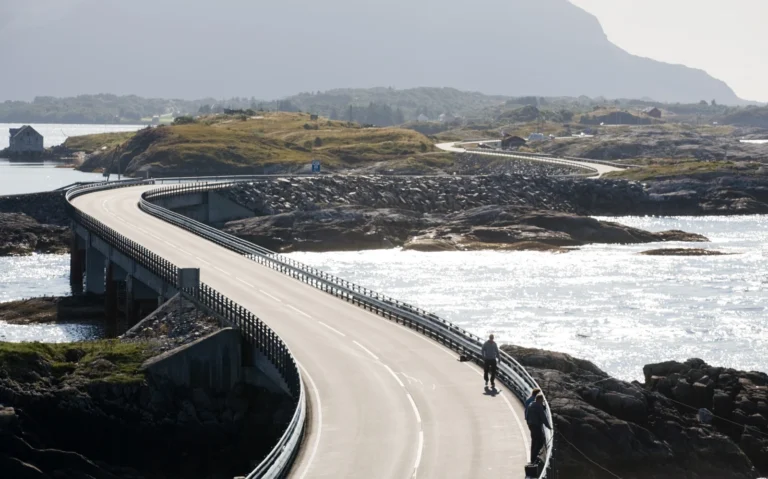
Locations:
column 209, row 207
column 221, row 209
column 95, row 270
column 213, row 362
column 76, row 264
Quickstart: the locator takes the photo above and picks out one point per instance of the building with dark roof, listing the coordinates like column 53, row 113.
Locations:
column 25, row 140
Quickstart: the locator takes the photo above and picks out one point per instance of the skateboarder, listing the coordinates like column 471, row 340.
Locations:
column 490, row 354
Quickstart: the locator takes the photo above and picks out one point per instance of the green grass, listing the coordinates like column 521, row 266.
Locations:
column 686, row 169
column 92, row 143
column 75, row 361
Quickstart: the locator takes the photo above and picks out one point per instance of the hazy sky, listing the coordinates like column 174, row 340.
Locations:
column 275, row 48
column 729, row 40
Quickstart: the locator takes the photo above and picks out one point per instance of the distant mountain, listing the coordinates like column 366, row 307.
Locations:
column 273, row 48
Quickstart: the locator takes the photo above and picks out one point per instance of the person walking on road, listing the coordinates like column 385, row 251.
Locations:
column 536, row 417
column 490, row 354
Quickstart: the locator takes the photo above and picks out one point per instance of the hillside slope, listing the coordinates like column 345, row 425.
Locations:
column 540, row 47
column 270, row 143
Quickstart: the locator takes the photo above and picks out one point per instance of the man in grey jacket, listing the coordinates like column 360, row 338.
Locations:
column 490, row 354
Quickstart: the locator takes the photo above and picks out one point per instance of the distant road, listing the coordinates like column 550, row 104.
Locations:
column 599, row 169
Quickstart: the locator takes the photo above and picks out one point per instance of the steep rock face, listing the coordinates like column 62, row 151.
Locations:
column 570, row 43
column 624, row 427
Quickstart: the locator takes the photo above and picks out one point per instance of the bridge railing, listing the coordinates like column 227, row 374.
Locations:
column 261, row 338
column 511, row 373
column 572, row 164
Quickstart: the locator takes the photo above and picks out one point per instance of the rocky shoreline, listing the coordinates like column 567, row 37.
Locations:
column 89, row 409
column 34, row 223
column 503, row 212
column 687, row 419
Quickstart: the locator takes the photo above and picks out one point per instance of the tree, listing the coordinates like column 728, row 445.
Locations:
column 714, row 103
column 318, row 141
column 703, row 103
column 205, row 110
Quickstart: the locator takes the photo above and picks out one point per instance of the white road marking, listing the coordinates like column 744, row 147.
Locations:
column 202, row 260
column 170, row 244
column 245, row 283
column 299, row 311
column 366, row 350
column 267, row 294
column 418, row 453
column 519, row 423
column 332, row 329
column 394, row 375
column 415, row 410
column 319, row 421
column 222, row 270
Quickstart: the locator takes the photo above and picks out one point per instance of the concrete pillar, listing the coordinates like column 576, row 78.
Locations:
column 76, row 260
column 110, row 301
column 140, row 300
column 95, row 268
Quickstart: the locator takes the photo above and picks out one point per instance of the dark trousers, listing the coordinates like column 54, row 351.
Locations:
column 537, row 440
column 489, row 367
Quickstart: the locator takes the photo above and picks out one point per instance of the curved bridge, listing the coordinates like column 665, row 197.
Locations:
column 591, row 168
column 386, row 395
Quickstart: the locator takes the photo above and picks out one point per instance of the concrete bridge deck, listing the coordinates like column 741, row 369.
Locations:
column 599, row 168
column 385, row 402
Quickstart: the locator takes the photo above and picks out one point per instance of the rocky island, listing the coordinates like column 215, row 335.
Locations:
column 686, row 419
column 509, row 212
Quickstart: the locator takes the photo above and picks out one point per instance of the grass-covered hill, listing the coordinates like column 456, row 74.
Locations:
column 265, row 143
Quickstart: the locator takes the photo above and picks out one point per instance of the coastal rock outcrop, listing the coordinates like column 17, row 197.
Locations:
column 487, row 227
column 450, row 194
column 683, row 252
column 736, row 402
column 22, row 235
column 83, row 410
column 634, row 430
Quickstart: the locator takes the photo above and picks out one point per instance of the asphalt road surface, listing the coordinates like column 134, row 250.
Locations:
column 385, row 402
column 601, row 168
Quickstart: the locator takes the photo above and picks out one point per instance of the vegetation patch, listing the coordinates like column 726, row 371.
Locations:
column 232, row 144
column 691, row 169
column 96, row 142
column 109, row 361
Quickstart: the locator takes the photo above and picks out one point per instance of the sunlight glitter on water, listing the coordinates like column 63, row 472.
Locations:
column 604, row 303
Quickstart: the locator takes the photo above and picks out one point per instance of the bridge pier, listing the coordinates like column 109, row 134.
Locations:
column 95, row 271
column 140, row 300
column 76, row 263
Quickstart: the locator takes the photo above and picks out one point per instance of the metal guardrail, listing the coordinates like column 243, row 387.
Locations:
column 511, row 373
column 261, row 337
column 572, row 164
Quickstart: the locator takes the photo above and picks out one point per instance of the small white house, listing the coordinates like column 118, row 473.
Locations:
column 25, row 140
